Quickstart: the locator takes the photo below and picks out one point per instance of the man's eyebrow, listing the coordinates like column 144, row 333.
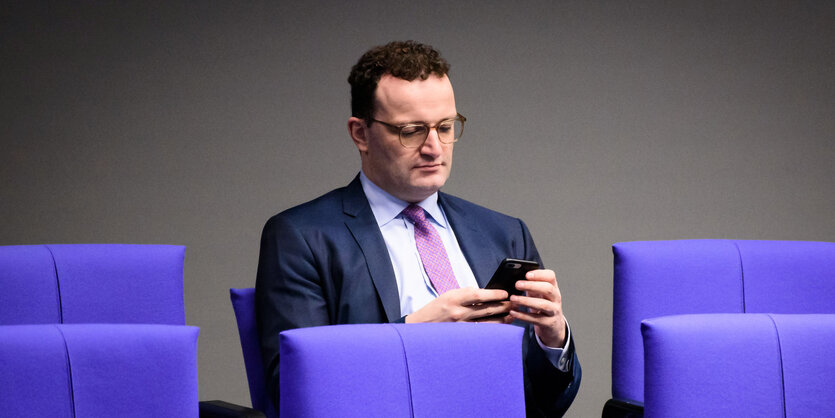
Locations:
column 421, row 122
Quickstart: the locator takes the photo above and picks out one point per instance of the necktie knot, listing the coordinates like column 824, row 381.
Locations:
column 414, row 214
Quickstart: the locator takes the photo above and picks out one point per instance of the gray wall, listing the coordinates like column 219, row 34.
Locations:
column 595, row 122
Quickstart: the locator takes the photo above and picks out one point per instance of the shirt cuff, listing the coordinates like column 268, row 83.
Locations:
column 558, row 356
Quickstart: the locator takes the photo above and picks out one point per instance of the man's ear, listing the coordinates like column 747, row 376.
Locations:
column 359, row 133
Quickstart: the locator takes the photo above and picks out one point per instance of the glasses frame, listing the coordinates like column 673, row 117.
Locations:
column 399, row 128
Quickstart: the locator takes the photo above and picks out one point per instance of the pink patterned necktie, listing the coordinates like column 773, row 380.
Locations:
column 431, row 250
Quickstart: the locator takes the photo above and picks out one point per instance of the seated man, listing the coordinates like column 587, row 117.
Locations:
column 390, row 247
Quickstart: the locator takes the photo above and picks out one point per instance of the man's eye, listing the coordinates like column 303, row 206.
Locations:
column 412, row 130
column 446, row 127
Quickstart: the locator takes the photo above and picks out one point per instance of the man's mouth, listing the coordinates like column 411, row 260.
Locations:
column 429, row 166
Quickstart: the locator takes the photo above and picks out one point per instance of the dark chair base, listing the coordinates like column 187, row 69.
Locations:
column 622, row 409
column 221, row 409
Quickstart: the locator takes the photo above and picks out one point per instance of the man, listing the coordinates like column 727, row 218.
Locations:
column 390, row 247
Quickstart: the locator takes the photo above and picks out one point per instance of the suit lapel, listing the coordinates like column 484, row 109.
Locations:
column 360, row 221
column 483, row 259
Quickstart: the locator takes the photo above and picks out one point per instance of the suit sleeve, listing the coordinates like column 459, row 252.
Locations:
column 289, row 292
column 548, row 391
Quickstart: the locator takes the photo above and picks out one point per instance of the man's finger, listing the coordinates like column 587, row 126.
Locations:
column 541, row 275
column 537, row 287
column 472, row 296
column 498, row 319
column 490, row 309
column 535, row 305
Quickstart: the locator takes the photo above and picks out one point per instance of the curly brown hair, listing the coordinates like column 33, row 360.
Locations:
column 406, row 60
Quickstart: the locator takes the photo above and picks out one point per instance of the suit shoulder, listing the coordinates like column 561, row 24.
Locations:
column 320, row 209
column 460, row 205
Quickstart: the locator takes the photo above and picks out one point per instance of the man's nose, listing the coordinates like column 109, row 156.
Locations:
column 432, row 145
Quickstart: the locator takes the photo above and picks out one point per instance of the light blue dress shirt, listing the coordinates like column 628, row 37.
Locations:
column 413, row 284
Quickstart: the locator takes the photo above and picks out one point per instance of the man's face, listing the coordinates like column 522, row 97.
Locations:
column 410, row 174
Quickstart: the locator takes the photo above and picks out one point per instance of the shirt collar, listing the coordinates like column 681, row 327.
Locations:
column 387, row 207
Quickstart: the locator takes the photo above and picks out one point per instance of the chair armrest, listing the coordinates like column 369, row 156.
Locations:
column 221, row 409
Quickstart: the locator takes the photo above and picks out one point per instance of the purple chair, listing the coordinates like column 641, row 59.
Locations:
column 95, row 330
column 660, row 278
column 402, row 370
column 91, row 283
column 417, row 370
column 735, row 365
column 243, row 302
column 98, row 370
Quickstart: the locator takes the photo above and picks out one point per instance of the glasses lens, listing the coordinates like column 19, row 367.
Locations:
column 449, row 131
column 413, row 135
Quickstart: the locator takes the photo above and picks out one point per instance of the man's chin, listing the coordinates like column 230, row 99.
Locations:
column 418, row 191
column 434, row 181
column 422, row 192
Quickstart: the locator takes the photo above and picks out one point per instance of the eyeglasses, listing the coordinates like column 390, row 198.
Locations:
column 413, row 135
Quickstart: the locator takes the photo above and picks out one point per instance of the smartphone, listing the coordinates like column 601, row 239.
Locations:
column 509, row 271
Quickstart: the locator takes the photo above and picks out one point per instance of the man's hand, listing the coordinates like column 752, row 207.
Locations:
column 465, row 305
column 544, row 304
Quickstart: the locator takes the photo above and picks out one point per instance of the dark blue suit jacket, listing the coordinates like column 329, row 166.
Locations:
column 325, row 262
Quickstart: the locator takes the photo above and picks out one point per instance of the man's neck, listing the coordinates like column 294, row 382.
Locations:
column 386, row 206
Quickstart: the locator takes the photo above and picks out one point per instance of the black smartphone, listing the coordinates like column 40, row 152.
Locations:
column 509, row 271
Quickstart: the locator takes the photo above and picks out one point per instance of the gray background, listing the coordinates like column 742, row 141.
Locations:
column 595, row 122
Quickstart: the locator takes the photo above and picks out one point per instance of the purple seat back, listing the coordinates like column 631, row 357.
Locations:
column 28, row 286
column 417, row 370
column 243, row 302
column 739, row 365
column 91, row 283
column 788, row 276
column 807, row 347
column 34, row 376
column 98, row 370
column 444, row 360
column 658, row 278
